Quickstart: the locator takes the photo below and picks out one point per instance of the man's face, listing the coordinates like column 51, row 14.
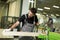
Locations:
column 49, row 16
column 30, row 14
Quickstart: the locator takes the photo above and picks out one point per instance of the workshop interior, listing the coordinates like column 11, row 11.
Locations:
column 12, row 10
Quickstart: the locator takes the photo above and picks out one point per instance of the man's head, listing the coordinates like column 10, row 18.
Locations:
column 49, row 16
column 32, row 12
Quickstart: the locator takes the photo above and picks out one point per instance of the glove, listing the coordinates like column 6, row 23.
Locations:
column 7, row 30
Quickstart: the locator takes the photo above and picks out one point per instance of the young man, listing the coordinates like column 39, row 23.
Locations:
column 50, row 23
column 28, row 21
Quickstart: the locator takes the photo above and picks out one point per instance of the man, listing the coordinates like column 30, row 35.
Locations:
column 28, row 21
column 50, row 23
column 29, row 18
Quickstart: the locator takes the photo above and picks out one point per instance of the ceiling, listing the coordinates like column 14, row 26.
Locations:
column 6, row 1
column 49, row 3
column 42, row 4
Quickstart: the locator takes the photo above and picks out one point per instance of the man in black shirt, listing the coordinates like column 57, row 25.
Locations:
column 30, row 18
column 50, row 23
column 28, row 21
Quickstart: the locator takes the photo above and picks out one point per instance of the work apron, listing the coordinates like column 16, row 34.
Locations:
column 27, row 27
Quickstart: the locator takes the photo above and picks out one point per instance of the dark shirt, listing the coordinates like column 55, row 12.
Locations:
column 50, row 19
column 29, row 20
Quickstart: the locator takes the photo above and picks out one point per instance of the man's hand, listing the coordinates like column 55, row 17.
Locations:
column 7, row 30
column 37, row 24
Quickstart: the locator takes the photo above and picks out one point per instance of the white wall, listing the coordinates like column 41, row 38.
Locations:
column 14, row 8
column 17, row 9
column 25, row 7
column 3, row 10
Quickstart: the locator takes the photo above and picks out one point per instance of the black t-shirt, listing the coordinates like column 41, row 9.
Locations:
column 50, row 19
column 29, row 20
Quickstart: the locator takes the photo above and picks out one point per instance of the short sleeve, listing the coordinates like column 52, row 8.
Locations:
column 21, row 18
column 36, row 19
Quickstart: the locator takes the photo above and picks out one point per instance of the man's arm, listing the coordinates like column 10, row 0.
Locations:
column 37, row 23
column 14, row 25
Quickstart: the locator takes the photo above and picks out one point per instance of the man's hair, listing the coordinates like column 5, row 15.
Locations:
column 33, row 10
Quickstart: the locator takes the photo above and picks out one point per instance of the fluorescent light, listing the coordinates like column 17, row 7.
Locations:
column 47, row 8
column 47, row 15
column 40, row 9
column 52, row 15
column 55, row 6
column 57, row 14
